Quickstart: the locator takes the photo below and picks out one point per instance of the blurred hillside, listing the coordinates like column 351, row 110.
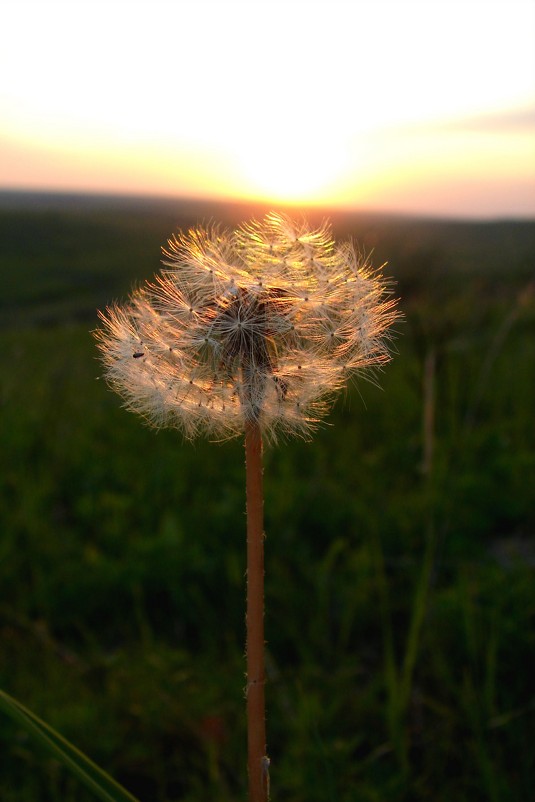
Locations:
column 400, row 541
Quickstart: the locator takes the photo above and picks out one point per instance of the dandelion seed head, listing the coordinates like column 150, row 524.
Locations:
column 264, row 323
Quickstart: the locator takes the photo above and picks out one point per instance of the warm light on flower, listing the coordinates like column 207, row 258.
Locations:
column 262, row 324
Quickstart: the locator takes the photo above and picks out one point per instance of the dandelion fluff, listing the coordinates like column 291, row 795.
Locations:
column 263, row 324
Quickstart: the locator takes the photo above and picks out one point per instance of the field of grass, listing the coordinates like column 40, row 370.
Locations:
column 400, row 552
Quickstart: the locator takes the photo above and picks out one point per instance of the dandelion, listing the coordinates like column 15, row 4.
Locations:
column 252, row 332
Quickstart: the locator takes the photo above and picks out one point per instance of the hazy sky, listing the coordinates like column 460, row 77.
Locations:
column 422, row 106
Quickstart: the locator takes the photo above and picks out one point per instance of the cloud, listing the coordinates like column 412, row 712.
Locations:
column 509, row 121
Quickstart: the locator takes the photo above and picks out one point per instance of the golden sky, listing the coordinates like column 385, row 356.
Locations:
column 421, row 106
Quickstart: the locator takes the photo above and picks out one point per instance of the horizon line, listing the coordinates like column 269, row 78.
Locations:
column 111, row 196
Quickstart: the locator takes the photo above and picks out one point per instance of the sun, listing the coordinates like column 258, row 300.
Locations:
column 305, row 170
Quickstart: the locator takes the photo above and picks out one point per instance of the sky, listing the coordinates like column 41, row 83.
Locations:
column 420, row 106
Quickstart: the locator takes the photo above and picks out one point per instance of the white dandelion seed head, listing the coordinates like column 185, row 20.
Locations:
column 265, row 323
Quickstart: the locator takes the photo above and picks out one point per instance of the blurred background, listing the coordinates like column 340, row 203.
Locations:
column 400, row 545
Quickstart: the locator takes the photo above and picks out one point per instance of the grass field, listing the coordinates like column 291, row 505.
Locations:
column 400, row 542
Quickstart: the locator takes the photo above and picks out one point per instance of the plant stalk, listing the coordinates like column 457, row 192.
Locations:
column 258, row 762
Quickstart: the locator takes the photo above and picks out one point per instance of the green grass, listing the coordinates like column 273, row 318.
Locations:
column 400, row 605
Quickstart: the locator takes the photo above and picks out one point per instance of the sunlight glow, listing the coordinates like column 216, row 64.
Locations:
column 310, row 102
column 289, row 169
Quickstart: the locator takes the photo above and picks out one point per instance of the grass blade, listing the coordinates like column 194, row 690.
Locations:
column 94, row 778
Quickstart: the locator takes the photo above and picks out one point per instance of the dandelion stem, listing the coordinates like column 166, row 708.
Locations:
column 256, row 724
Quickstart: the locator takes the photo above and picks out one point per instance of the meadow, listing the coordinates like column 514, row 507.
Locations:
column 400, row 551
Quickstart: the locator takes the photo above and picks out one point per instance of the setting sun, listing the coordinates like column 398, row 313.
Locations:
column 291, row 171
column 334, row 103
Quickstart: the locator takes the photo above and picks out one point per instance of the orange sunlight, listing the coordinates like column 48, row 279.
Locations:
column 379, row 104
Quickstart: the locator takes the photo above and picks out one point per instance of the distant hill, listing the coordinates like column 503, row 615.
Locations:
column 62, row 255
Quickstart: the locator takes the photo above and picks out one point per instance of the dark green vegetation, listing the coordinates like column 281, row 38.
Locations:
column 400, row 550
